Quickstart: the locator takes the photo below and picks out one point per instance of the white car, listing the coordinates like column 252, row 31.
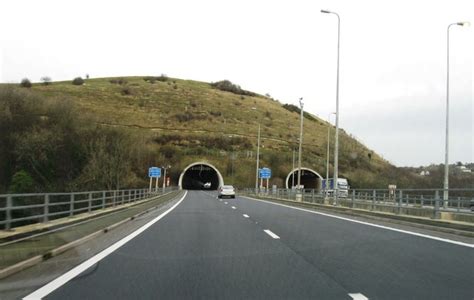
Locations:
column 226, row 191
column 207, row 185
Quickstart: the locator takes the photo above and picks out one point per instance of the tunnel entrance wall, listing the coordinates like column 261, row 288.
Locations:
column 310, row 179
column 195, row 175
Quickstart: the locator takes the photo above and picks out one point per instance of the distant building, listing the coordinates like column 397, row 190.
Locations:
column 425, row 173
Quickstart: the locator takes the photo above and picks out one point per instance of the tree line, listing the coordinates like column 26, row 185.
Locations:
column 48, row 145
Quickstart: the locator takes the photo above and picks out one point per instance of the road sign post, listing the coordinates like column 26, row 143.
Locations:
column 154, row 172
column 264, row 173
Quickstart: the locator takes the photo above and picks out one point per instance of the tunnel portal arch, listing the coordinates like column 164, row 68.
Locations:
column 310, row 179
column 197, row 174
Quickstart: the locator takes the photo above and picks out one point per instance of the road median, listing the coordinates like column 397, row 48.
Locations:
column 19, row 255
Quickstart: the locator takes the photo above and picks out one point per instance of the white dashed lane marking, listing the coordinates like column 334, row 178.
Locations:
column 245, row 216
column 270, row 233
column 358, row 296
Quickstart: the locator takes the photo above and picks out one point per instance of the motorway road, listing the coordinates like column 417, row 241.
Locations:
column 245, row 249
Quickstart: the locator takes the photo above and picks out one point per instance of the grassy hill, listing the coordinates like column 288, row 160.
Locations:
column 176, row 122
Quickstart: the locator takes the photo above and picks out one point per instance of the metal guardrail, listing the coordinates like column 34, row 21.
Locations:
column 23, row 209
column 459, row 201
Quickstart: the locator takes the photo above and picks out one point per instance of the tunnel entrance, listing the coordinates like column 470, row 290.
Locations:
column 200, row 176
column 310, row 179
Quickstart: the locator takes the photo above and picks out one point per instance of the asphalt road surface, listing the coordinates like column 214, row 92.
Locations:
column 206, row 248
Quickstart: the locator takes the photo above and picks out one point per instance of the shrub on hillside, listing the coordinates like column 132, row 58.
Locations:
column 22, row 182
column 119, row 81
column 153, row 79
column 149, row 79
column 126, row 91
column 163, row 78
column 78, row 81
column 186, row 117
column 226, row 85
column 294, row 108
column 216, row 113
column 167, row 138
column 46, row 80
column 26, row 83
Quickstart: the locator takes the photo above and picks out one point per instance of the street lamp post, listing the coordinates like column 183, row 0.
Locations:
column 327, row 155
column 300, row 144
column 336, row 142
column 446, row 153
column 258, row 156
column 293, row 171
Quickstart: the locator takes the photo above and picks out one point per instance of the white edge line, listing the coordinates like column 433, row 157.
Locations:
column 358, row 296
column 370, row 224
column 270, row 233
column 245, row 215
column 63, row 279
column 233, row 207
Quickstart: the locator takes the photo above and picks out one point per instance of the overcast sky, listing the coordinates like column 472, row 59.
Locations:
column 393, row 58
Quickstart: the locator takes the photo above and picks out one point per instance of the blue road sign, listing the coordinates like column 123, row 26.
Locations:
column 265, row 173
column 154, row 172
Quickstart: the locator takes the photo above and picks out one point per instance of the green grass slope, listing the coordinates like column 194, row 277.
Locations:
column 183, row 121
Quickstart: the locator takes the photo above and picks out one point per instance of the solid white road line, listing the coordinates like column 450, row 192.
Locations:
column 63, row 279
column 369, row 224
column 233, row 207
column 245, row 216
column 267, row 231
column 358, row 296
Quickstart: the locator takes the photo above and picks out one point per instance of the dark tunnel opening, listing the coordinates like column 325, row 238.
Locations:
column 309, row 179
column 200, row 177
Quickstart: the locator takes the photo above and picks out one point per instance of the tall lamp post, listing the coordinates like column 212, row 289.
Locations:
column 299, row 147
column 336, row 142
column 258, row 155
column 327, row 155
column 446, row 153
column 292, row 171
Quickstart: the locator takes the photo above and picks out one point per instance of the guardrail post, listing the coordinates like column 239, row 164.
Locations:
column 114, row 198
column 353, row 198
column 103, row 199
column 421, row 201
column 459, row 203
column 129, row 196
column 374, row 194
column 312, row 196
column 89, row 203
column 8, row 213
column 46, row 208
column 71, row 205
